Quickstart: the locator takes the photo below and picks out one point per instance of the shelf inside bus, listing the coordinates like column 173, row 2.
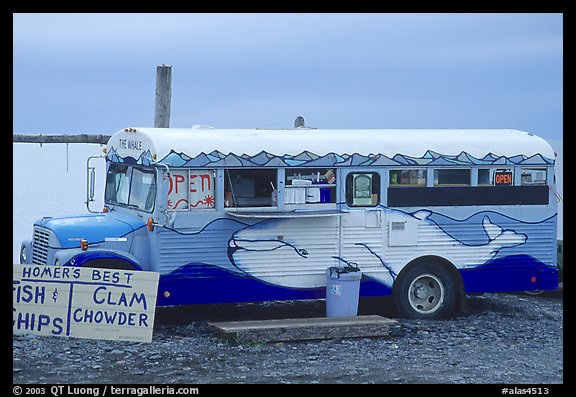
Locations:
column 297, row 213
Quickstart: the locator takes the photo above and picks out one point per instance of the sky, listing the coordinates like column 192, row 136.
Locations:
column 96, row 73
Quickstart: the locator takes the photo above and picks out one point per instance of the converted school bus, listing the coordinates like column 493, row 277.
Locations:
column 235, row 215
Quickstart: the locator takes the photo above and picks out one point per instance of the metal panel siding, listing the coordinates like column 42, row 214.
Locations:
column 428, row 240
column 366, row 247
column 304, row 251
column 294, row 253
column 318, row 239
column 543, row 242
column 357, row 244
column 177, row 250
column 322, row 246
column 540, row 238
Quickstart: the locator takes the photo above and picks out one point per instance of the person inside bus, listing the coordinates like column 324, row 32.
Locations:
column 330, row 177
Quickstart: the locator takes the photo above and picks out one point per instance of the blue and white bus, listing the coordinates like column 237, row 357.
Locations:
column 239, row 215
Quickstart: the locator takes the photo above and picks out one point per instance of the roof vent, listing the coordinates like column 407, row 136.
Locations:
column 299, row 122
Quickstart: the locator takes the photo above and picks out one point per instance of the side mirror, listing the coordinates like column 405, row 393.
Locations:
column 90, row 182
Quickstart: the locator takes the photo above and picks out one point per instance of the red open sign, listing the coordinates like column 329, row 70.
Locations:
column 503, row 178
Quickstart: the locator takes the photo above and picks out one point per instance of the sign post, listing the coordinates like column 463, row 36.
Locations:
column 113, row 304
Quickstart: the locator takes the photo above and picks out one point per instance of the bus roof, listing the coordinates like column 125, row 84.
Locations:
column 199, row 147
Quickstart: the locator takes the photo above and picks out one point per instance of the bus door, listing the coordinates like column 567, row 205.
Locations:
column 362, row 228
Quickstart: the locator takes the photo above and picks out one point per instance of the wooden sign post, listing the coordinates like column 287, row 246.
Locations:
column 79, row 302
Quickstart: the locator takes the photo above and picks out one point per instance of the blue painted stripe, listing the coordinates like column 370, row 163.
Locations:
column 511, row 273
column 205, row 284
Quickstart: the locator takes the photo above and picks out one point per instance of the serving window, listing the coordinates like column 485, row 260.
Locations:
column 310, row 186
column 250, row 188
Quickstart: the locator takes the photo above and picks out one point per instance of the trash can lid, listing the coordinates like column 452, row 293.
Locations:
column 344, row 273
column 344, row 269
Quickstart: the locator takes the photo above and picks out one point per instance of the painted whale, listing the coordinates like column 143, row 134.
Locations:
column 276, row 253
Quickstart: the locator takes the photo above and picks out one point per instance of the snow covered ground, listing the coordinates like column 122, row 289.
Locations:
column 50, row 180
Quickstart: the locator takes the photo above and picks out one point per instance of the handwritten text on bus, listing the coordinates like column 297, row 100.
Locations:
column 191, row 189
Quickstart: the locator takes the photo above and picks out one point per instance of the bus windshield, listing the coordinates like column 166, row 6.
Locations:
column 130, row 186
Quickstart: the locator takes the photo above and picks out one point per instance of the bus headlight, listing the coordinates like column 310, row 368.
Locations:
column 23, row 254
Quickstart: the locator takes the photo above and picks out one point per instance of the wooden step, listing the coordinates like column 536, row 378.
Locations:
column 292, row 329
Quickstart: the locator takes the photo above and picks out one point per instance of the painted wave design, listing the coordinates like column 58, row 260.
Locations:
column 264, row 159
column 145, row 158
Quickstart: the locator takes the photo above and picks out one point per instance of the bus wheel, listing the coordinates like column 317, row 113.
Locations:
column 425, row 290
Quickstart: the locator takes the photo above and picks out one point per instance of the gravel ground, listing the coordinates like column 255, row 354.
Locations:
column 503, row 339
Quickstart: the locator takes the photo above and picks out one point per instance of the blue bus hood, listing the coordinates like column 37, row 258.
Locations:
column 94, row 228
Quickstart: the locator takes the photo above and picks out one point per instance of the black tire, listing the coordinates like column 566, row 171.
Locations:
column 425, row 290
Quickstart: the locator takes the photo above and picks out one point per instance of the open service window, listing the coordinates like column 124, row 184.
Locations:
column 310, row 186
column 191, row 189
column 244, row 188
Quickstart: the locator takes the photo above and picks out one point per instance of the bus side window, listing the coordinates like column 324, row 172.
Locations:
column 533, row 176
column 363, row 189
column 250, row 188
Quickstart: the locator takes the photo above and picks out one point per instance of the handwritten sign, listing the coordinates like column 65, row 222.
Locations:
column 88, row 303
column 191, row 189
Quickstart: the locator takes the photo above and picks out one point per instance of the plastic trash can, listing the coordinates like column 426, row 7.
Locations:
column 342, row 291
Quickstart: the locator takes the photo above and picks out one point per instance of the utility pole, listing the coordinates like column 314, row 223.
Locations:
column 163, row 96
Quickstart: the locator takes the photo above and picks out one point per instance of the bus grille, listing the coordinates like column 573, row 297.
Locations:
column 40, row 246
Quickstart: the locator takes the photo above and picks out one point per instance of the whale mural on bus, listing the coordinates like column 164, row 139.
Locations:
column 271, row 239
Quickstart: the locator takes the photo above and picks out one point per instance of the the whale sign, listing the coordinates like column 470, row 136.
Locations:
column 111, row 304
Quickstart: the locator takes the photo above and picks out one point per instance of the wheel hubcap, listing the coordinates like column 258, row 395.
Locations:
column 426, row 294
column 421, row 292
